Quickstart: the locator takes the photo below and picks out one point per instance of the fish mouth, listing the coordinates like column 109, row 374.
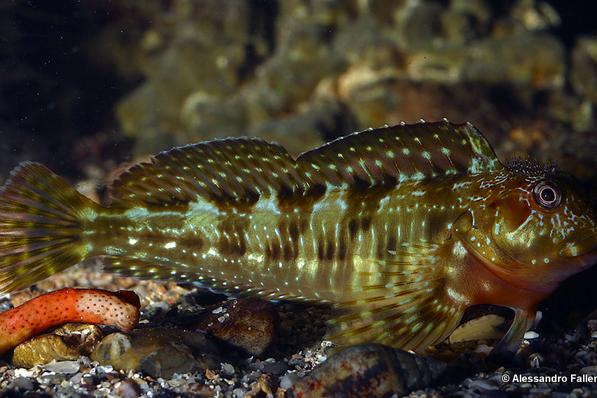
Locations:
column 582, row 246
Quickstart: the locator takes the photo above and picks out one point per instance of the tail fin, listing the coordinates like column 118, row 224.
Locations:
column 41, row 219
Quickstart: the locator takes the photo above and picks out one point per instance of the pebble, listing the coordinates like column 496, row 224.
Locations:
column 128, row 388
column 480, row 385
column 22, row 384
column 63, row 367
column 530, row 335
column 589, row 370
column 227, row 369
column 288, row 380
column 248, row 324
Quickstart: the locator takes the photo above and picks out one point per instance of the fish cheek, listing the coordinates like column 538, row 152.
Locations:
column 510, row 213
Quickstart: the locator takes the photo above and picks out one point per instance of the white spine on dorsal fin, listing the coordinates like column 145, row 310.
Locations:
column 380, row 155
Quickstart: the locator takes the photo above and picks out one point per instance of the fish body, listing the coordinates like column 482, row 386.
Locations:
column 400, row 228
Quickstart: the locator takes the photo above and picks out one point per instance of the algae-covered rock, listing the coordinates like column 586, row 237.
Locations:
column 583, row 74
column 159, row 352
column 68, row 342
column 536, row 60
column 272, row 69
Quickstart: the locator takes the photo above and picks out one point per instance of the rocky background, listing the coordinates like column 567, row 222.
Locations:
column 86, row 86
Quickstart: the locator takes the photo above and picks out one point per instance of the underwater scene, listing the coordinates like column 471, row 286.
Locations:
column 302, row 198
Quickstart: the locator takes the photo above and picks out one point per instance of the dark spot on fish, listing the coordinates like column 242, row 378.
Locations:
column 342, row 247
column 287, row 250
column 360, row 185
column 389, row 181
column 329, row 253
column 251, row 197
column 285, row 193
column 275, row 250
column 303, row 225
column 391, row 245
column 316, row 191
column 366, row 223
column 380, row 248
column 320, row 249
column 223, row 245
column 293, row 230
column 352, row 228
column 239, row 248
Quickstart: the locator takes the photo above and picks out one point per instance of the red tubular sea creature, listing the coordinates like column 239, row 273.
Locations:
column 119, row 309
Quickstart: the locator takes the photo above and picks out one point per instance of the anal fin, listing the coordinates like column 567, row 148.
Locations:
column 146, row 269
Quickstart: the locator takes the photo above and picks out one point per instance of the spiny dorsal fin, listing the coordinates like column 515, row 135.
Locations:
column 411, row 310
column 233, row 170
column 401, row 152
column 238, row 171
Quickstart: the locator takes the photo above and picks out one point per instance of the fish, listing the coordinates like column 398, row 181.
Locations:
column 400, row 228
column 119, row 309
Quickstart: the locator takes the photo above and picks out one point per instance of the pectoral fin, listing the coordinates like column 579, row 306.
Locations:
column 510, row 343
column 412, row 311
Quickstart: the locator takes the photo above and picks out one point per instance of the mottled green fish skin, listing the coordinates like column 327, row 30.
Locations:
column 400, row 228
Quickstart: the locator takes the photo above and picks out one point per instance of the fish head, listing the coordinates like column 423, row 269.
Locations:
column 533, row 229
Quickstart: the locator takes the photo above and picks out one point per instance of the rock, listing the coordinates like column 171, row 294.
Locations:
column 248, row 324
column 533, row 59
column 288, row 380
column 486, row 327
column 227, row 369
column 418, row 24
column 201, row 52
column 68, row 342
column 445, row 66
column 370, row 370
column 128, row 388
column 583, row 74
column 21, row 384
column 536, row 60
column 480, row 385
column 63, row 367
column 159, row 352
column 275, row 368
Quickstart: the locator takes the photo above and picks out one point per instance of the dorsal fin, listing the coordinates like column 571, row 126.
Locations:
column 238, row 171
column 401, row 152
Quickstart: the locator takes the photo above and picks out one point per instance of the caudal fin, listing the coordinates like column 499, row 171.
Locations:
column 41, row 220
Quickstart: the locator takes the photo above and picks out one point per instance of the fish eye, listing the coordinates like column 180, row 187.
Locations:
column 547, row 194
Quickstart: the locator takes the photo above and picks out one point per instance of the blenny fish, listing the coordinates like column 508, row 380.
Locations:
column 400, row 228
